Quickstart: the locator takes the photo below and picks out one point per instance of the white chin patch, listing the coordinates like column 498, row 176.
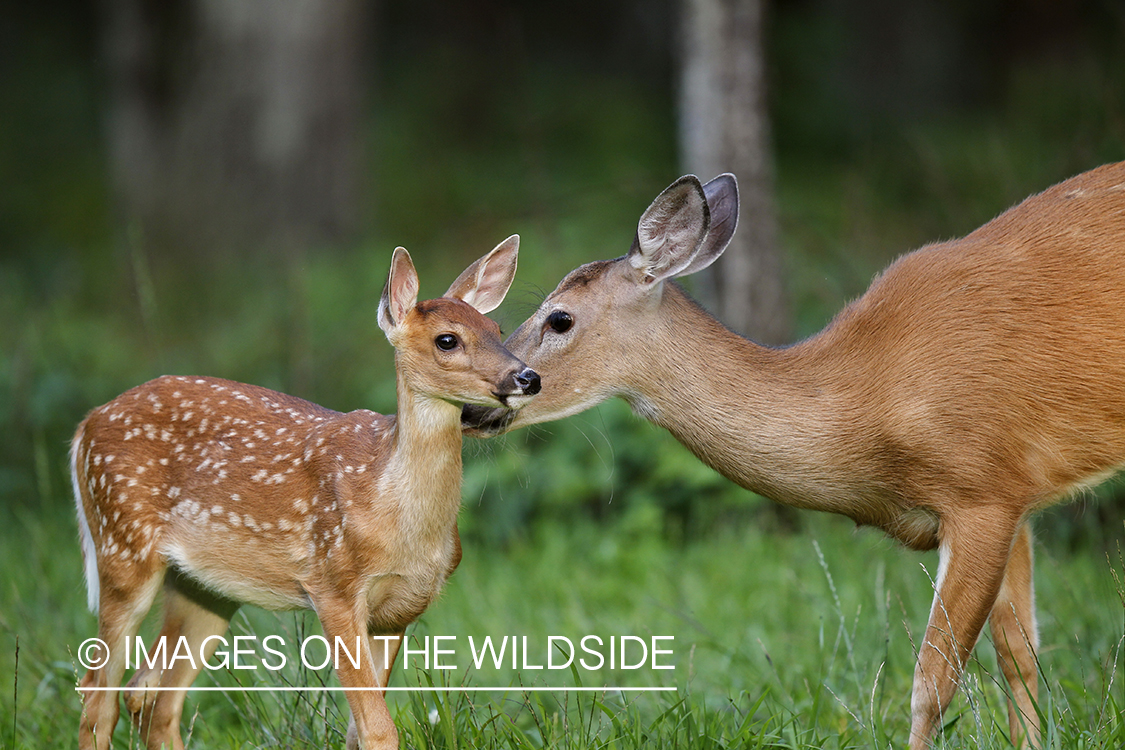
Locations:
column 518, row 401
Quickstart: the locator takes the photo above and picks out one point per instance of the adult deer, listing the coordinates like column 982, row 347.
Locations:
column 976, row 381
column 230, row 493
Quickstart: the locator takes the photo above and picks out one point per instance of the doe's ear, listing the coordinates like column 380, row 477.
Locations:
column 484, row 283
column 722, row 202
column 401, row 292
column 670, row 231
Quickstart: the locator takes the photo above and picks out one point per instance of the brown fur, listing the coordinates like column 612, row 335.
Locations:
column 976, row 381
column 228, row 493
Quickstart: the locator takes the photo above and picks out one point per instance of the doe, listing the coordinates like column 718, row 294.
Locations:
column 228, row 493
column 976, row 381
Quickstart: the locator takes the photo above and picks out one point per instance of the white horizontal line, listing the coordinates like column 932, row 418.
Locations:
column 294, row 689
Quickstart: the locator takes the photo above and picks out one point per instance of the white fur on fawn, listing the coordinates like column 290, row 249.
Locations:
column 226, row 493
column 975, row 382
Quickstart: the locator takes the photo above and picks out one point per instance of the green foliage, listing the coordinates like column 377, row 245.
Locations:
column 607, row 465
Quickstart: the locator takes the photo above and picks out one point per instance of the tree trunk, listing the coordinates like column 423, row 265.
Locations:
column 724, row 127
column 233, row 126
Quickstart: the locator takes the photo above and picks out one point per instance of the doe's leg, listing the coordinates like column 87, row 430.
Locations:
column 1015, row 635
column 973, row 557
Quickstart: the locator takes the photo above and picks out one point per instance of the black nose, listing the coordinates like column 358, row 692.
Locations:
column 528, row 381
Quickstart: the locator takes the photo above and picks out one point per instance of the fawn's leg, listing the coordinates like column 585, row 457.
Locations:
column 384, row 651
column 121, row 610
column 192, row 619
column 347, row 620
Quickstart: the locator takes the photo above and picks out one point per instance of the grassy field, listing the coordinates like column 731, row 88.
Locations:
column 780, row 640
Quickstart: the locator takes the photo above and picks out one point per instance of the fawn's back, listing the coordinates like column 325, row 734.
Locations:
column 216, row 476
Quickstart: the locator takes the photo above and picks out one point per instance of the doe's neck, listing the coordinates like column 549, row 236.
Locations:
column 768, row 419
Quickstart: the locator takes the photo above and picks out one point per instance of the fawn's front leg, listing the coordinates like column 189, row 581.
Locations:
column 384, row 650
column 347, row 621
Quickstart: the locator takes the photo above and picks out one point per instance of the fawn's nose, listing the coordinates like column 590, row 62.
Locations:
column 528, row 381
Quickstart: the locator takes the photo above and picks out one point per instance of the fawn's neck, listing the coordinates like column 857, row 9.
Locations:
column 424, row 469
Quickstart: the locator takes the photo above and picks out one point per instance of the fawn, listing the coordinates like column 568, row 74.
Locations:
column 976, row 381
column 224, row 493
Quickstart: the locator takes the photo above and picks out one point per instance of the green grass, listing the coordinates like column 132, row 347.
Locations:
column 794, row 641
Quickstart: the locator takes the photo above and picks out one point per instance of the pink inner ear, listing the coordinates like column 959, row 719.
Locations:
column 493, row 275
column 402, row 305
column 671, row 229
column 404, row 290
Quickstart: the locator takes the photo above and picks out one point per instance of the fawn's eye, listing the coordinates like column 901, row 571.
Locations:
column 446, row 342
column 559, row 321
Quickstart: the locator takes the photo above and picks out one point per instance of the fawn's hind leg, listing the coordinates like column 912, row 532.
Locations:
column 120, row 612
column 192, row 617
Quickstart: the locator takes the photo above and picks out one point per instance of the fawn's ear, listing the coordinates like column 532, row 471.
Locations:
column 722, row 202
column 401, row 292
column 484, row 283
column 670, row 231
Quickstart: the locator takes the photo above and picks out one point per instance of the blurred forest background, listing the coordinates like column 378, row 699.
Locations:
column 205, row 187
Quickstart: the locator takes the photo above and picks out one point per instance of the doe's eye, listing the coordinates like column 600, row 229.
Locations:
column 446, row 342
column 559, row 321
